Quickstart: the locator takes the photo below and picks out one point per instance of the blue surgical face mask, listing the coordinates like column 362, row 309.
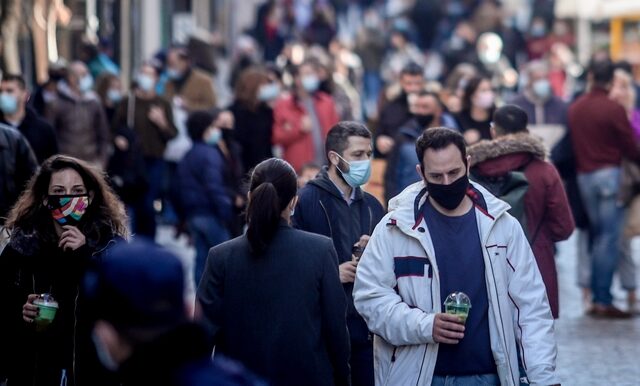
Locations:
column 268, row 92
column 358, row 174
column 86, row 83
column 214, row 137
column 8, row 103
column 541, row 88
column 173, row 74
column 310, row 83
column 114, row 95
column 145, row 82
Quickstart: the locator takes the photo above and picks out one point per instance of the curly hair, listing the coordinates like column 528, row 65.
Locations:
column 105, row 217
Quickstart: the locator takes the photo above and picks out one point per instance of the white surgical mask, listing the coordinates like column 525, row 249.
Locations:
column 541, row 88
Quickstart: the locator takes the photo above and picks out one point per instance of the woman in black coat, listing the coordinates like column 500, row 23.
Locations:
column 64, row 222
column 253, row 115
column 272, row 297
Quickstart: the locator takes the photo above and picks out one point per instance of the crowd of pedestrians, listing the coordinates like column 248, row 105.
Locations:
column 375, row 157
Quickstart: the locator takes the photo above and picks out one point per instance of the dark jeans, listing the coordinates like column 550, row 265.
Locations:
column 207, row 231
column 144, row 220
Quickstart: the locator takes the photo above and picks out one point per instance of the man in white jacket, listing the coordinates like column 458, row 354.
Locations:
column 442, row 235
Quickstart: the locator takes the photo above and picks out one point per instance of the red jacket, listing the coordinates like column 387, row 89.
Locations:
column 600, row 132
column 297, row 144
column 547, row 210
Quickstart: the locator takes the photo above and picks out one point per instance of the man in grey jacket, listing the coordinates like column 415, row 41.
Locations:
column 445, row 235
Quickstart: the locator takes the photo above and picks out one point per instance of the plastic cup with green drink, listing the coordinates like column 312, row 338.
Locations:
column 48, row 307
column 459, row 304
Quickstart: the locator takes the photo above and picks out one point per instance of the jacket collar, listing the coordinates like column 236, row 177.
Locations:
column 407, row 206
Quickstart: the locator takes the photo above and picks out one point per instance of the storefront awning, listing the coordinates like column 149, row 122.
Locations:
column 596, row 9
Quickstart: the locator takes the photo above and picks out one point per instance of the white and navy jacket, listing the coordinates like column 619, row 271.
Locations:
column 397, row 291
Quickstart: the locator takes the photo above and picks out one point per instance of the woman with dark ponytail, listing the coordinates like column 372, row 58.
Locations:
column 273, row 297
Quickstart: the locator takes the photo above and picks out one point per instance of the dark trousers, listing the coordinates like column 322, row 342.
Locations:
column 361, row 362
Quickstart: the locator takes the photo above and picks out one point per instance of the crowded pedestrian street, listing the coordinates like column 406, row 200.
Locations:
column 319, row 192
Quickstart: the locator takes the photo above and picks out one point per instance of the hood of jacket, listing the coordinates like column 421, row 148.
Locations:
column 323, row 182
column 407, row 205
column 504, row 154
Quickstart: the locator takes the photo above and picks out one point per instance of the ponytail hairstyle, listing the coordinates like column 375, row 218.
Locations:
column 273, row 185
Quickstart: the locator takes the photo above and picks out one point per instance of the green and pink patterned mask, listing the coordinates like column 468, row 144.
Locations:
column 68, row 209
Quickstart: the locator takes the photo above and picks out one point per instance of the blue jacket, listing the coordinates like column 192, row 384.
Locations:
column 202, row 190
column 322, row 210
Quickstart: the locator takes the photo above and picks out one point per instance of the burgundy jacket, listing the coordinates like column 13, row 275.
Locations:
column 547, row 210
column 600, row 132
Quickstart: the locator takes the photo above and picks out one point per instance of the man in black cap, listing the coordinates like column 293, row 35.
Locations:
column 142, row 330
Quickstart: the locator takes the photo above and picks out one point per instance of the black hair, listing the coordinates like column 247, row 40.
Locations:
column 15, row 78
column 624, row 66
column 198, row 122
column 273, row 185
column 510, row 119
column 411, row 69
column 470, row 89
column 601, row 71
column 338, row 136
column 437, row 138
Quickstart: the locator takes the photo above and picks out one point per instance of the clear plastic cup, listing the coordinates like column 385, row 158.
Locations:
column 48, row 307
column 459, row 304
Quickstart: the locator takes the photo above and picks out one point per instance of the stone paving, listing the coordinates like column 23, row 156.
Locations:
column 590, row 351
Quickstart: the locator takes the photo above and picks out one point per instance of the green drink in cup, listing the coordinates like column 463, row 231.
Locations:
column 459, row 304
column 48, row 308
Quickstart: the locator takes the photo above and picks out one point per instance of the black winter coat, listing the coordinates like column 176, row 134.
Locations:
column 39, row 133
column 28, row 265
column 281, row 314
column 252, row 131
column 17, row 164
column 322, row 210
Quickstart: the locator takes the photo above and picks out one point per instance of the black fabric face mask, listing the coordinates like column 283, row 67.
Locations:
column 424, row 120
column 449, row 196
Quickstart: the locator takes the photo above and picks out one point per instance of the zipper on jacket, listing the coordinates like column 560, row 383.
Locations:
column 426, row 347
column 393, row 355
column 328, row 220
column 506, row 346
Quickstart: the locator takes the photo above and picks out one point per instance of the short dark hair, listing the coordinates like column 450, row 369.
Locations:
column 338, row 137
column 601, row 71
column 15, row 78
column 624, row 66
column 412, row 69
column 510, row 119
column 437, row 138
column 198, row 122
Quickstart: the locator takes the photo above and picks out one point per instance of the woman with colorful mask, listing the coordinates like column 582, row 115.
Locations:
column 65, row 221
